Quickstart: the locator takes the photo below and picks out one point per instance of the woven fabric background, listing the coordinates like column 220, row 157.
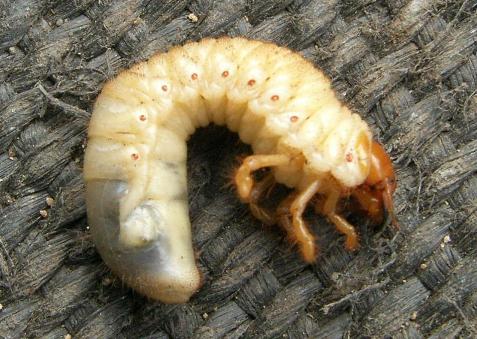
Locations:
column 409, row 67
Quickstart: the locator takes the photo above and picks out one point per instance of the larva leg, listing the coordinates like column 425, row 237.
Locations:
column 284, row 216
column 344, row 227
column 299, row 229
column 258, row 190
column 370, row 204
column 243, row 176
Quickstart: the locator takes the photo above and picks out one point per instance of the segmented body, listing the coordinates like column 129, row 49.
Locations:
column 135, row 162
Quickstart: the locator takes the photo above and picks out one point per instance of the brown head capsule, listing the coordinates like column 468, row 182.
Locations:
column 375, row 194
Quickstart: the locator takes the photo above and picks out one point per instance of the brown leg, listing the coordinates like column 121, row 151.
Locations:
column 299, row 230
column 243, row 176
column 258, row 191
column 284, row 215
column 344, row 227
column 370, row 204
column 388, row 202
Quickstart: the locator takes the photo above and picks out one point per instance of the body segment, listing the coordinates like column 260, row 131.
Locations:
column 135, row 162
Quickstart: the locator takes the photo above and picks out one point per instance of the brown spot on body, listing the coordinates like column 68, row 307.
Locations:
column 225, row 74
column 293, row 118
column 251, row 82
column 194, row 76
column 274, row 97
column 142, row 117
column 349, row 157
column 164, row 88
column 135, row 156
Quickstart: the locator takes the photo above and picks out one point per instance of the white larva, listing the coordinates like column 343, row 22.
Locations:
column 135, row 162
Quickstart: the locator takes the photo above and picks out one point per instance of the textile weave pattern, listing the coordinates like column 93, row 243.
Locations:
column 408, row 67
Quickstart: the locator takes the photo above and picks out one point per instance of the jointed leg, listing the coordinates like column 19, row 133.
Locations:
column 284, row 216
column 370, row 203
column 298, row 230
column 258, row 190
column 344, row 227
column 243, row 176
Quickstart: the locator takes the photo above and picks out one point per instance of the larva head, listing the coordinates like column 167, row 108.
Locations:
column 379, row 185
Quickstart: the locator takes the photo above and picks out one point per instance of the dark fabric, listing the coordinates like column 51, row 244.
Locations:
column 408, row 67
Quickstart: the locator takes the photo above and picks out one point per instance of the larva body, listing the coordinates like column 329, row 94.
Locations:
column 135, row 162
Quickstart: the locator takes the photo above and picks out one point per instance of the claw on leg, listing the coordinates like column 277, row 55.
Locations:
column 297, row 229
column 243, row 177
column 344, row 227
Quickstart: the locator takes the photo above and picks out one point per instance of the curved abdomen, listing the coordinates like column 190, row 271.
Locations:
column 136, row 193
column 135, row 162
